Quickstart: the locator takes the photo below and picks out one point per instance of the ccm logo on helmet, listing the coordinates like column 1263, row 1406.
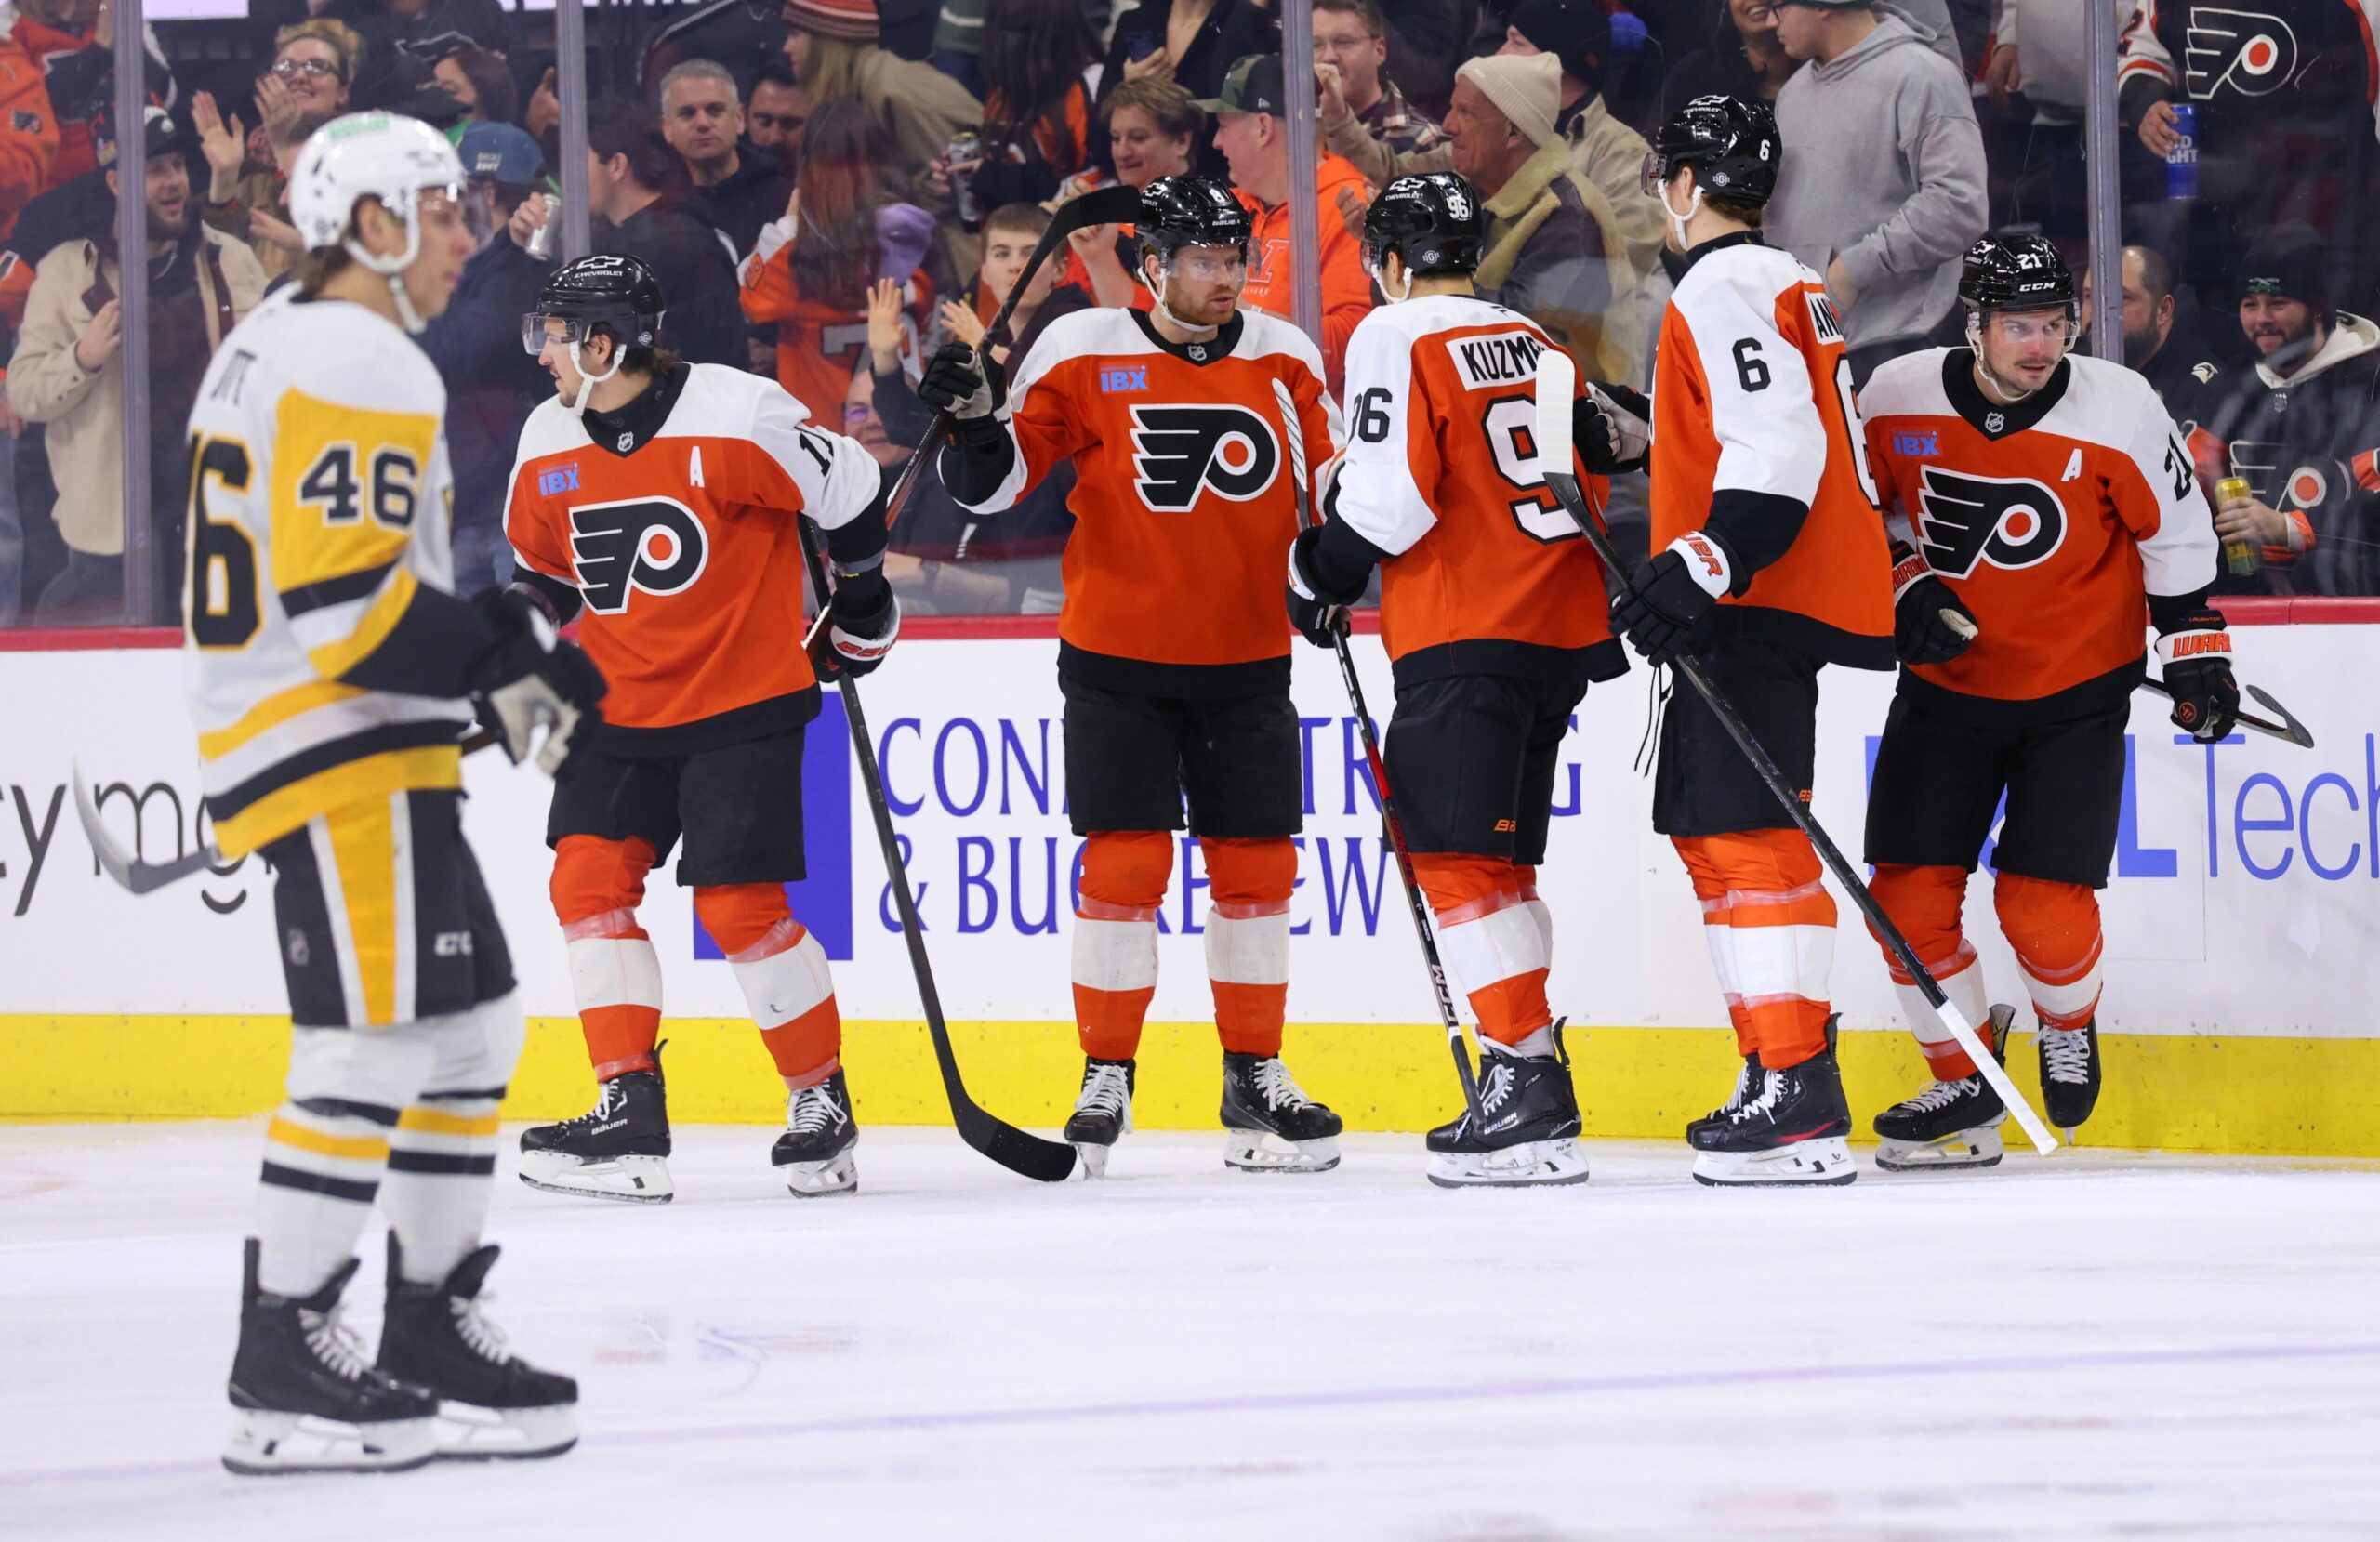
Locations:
column 655, row 544
column 2009, row 523
column 1178, row 452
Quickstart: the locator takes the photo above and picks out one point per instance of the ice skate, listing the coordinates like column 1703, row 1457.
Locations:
column 815, row 1150
column 1948, row 1125
column 1102, row 1113
column 1270, row 1125
column 307, row 1400
column 2069, row 1073
column 616, row 1150
column 1747, row 1088
column 1529, row 1134
column 1792, row 1132
column 493, row 1405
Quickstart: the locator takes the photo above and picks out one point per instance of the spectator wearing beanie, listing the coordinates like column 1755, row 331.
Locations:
column 1545, row 257
column 834, row 49
column 2302, row 424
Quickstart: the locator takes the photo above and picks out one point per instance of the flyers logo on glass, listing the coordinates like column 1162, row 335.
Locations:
column 655, row 544
column 2008, row 523
column 1180, row 453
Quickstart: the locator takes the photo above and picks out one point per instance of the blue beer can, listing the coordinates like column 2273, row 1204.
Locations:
column 2181, row 161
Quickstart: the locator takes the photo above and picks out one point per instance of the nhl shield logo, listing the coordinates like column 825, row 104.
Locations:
column 1994, row 422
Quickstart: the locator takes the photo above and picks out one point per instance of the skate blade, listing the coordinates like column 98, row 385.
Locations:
column 1533, row 1164
column 1958, row 1149
column 1805, row 1163
column 469, row 1434
column 1093, row 1158
column 267, row 1443
column 1252, row 1151
column 838, row 1175
column 636, row 1179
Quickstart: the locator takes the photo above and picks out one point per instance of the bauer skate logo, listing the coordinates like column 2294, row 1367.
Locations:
column 1182, row 452
column 2246, row 52
column 655, row 544
column 2009, row 523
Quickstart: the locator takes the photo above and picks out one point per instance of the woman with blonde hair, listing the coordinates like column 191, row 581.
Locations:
column 248, row 191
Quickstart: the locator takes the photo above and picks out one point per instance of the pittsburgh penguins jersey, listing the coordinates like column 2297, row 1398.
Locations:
column 1486, row 573
column 1756, row 439
column 677, row 530
column 319, row 511
column 1182, row 502
column 2057, row 520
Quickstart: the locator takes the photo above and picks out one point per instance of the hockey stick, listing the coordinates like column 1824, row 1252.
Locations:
column 1116, row 205
column 1394, row 827
column 2288, row 729
column 1557, row 382
column 1048, row 1161
column 142, row 877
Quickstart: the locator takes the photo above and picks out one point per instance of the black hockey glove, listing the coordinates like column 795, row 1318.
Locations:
column 2196, row 651
column 865, row 621
column 954, row 383
column 1315, row 608
column 1676, row 588
column 533, row 679
column 1929, row 624
column 1611, row 427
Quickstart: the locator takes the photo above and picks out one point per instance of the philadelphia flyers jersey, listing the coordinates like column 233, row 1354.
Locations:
column 1182, row 502
column 2054, row 518
column 1487, row 572
column 683, row 545
column 1754, row 422
column 820, row 345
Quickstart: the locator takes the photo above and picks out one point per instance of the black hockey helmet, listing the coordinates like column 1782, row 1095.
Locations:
column 1433, row 223
column 2018, row 273
column 611, row 290
column 1190, row 211
column 1732, row 145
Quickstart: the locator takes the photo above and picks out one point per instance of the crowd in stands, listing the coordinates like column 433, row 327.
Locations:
column 830, row 194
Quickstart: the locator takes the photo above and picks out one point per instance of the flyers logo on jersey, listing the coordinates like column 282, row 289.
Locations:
column 1179, row 453
column 2246, row 52
column 2009, row 523
column 655, row 544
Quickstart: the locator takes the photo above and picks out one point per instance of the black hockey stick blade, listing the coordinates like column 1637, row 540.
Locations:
column 1116, row 205
column 2289, row 729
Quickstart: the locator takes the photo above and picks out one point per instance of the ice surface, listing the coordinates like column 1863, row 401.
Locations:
column 2090, row 1346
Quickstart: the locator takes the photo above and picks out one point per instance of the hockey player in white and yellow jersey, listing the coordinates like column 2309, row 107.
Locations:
column 332, row 673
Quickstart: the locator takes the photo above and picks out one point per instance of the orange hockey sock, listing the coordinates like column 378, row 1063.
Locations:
column 2055, row 929
column 1124, row 875
column 615, row 973
column 1490, row 937
column 1769, row 923
column 783, row 972
column 1249, row 883
column 1924, row 903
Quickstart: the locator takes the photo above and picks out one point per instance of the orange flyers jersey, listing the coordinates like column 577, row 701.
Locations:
column 1487, row 574
column 1182, row 502
column 685, row 550
column 2054, row 519
column 1752, row 398
column 820, row 346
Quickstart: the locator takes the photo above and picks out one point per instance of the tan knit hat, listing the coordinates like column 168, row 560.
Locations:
column 1525, row 87
column 854, row 19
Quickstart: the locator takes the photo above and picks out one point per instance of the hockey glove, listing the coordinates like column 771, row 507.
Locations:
column 863, row 629
column 1675, row 591
column 1612, row 428
column 955, row 382
column 534, row 678
column 1929, row 624
column 2196, row 652
column 1320, row 617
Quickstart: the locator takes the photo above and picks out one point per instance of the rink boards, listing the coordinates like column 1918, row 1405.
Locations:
column 2240, row 920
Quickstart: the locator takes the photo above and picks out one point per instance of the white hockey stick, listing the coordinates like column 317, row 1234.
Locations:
column 1557, row 383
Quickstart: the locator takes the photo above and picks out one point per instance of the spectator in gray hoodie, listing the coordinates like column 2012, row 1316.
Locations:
column 1882, row 186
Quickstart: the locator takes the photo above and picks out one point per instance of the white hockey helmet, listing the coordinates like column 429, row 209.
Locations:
column 380, row 155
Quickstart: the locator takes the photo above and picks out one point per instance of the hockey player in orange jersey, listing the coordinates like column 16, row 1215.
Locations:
column 658, row 501
column 1770, row 563
column 2049, row 505
column 1481, row 570
column 1172, row 652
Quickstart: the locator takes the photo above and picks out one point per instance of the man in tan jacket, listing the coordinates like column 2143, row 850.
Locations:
column 68, row 374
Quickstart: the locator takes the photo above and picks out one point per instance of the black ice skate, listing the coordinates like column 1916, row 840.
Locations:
column 616, row 1150
column 1102, row 1111
column 1949, row 1125
column 815, row 1150
column 307, row 1400
column 2069, row 1073
column 1790, row 1132
column 493, row 1405
column 1270, row 1125
column 1529, row 1134
column 1747, row 1088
